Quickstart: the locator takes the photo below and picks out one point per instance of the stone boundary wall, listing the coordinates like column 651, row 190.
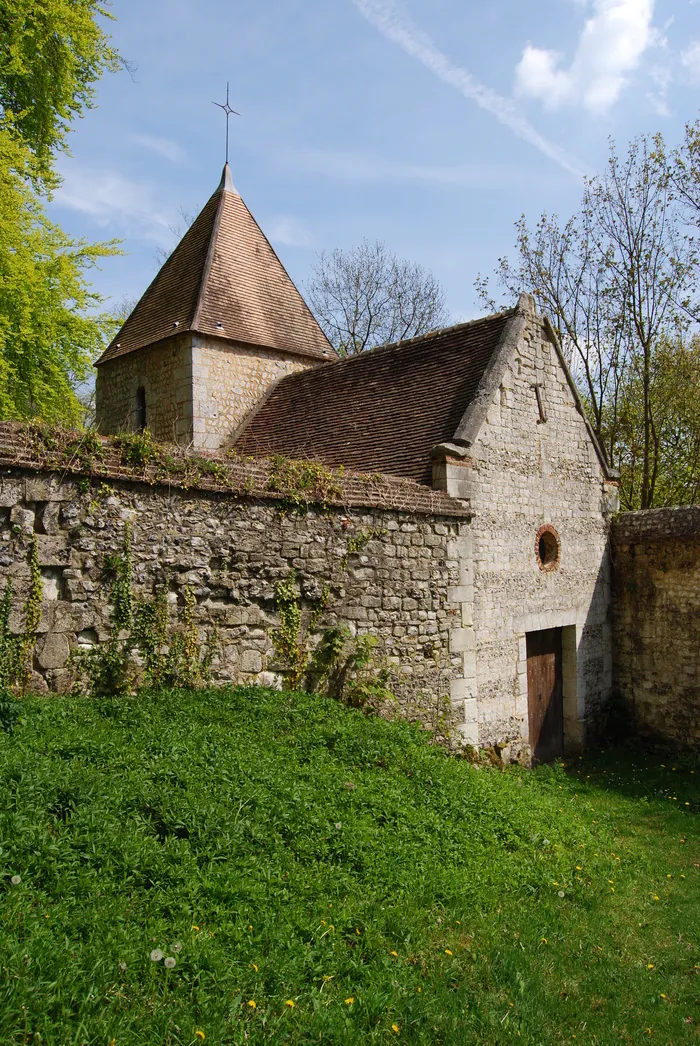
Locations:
column 230, row 537
column 656, row 620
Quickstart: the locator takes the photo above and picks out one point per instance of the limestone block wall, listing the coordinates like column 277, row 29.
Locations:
column 532, row 463
column 656, row 559
column 228, row 381
column 231, row 548
column 165, row 372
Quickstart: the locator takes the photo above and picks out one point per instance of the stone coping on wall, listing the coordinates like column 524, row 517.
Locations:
column 138, row 458
column 654, row 525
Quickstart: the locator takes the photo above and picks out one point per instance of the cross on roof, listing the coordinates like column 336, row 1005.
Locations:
column 229, row 112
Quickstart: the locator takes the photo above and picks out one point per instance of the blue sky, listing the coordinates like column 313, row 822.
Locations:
column 429, row 124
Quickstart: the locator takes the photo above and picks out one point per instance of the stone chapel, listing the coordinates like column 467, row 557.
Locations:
column 222, row 352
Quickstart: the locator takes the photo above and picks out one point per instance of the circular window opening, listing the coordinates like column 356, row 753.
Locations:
column 547, row 548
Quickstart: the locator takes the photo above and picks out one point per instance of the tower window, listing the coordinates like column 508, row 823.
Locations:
column 140, row 409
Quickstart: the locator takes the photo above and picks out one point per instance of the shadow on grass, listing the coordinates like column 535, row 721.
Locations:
column 636, row 772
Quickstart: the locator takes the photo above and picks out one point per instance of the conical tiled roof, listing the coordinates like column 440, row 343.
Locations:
column 224, row 279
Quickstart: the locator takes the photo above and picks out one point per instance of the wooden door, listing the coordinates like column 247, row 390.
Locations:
column 544, row 694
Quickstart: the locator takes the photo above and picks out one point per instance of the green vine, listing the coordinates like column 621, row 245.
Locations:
column 17, row 651
column 344, row 667
column 142, row 630
column 301, row 483
column 289, row 639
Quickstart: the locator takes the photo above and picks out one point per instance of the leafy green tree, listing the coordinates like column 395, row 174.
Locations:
column 675, row 455
column 49, row 333
column 51, row 54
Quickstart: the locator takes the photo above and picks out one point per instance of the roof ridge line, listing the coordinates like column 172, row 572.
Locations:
column 284, row 270
column 206, row 268
column 355, row 356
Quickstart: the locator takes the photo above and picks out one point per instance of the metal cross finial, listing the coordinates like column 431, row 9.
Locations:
column 229, row 111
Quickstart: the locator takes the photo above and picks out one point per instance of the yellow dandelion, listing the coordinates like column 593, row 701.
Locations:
column 394, row 953
column 200, row 1035
column 395, row 1028
column 196, row 928
column 290, row 1003
column 252, row 1003
column 458, row 922
column 350, row 1000
column 332, row 928
column 662, row 995
column 656, row 896
column 579, row 868
column 543, row 940
column 357, row 932
column 447, row 951
column 650, row 966
column 682, row 876
column 255, row 966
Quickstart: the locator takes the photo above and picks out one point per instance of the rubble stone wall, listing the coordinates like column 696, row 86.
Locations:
column 164, row 371
column 656, row 601
column 231, row 550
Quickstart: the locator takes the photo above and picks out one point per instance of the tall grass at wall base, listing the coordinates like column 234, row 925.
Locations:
column 323, row 876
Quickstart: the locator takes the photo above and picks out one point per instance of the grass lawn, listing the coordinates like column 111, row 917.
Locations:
column 324, row 877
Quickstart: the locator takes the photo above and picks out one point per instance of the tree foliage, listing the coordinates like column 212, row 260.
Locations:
column 366, row 296
column 618, row 281
column 51, row 54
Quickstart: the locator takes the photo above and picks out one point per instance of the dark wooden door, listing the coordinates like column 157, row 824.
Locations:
column 544, row 694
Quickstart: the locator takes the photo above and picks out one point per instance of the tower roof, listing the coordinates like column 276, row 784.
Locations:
column 223, row 279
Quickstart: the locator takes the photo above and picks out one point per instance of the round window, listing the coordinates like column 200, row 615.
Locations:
column 547, row 548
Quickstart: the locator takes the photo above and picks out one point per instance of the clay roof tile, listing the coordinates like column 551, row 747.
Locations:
column 224, row 279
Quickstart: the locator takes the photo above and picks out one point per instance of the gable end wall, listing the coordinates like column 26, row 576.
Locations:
column 520, row 473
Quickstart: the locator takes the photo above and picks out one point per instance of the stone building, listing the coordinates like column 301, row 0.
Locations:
column 222, row 352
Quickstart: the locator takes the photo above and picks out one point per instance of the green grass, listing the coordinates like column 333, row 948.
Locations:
column 299, row 851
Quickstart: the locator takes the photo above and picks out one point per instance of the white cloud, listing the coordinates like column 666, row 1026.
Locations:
column 610, row 47
column 163, row 146
column 288, row 231
column 115, row 203
column 400, row 30
column 691, row 60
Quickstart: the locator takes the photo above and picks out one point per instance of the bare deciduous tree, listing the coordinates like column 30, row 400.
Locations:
column 617, row 281
column 366, row 296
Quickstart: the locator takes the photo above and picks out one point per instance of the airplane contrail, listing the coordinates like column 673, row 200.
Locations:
column 416, row 43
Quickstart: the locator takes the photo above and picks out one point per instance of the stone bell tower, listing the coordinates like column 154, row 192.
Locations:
column 220, row 323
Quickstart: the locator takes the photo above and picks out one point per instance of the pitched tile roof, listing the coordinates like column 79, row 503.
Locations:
column 224, row 279
column 381, row 411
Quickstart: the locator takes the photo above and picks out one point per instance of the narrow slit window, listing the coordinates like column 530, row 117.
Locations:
column 140, row 409
column 540, row 404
